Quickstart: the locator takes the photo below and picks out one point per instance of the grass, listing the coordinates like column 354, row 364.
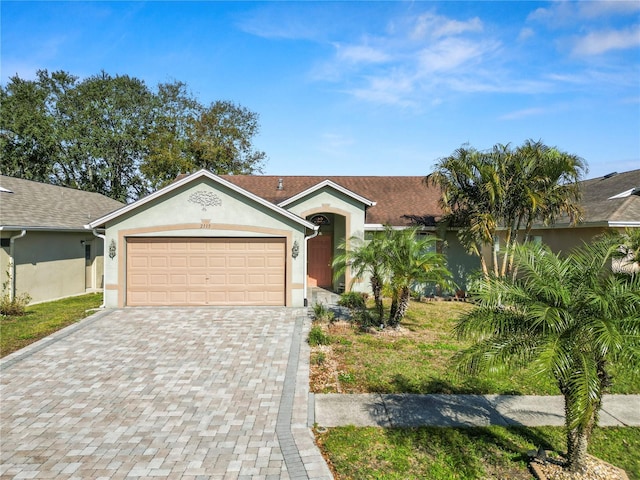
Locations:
column 417, row 359
column 461, row 453
column 42, row 320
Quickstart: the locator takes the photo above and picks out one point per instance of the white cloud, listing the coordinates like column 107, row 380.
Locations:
column 596, row 43
column 526, row 33
column 562, row 13
column 451, row 53
column 360, row 54
column 430, row 25
column 527, row 112
column 607, row 8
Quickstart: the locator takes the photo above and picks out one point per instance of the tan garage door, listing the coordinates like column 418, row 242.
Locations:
column 205, row 271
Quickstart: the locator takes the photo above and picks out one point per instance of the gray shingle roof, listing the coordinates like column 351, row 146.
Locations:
column 598, row 205
column 24, row 203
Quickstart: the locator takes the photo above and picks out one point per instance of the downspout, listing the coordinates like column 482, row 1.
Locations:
column 104, row 266
column 12, row 266
column 306, row 264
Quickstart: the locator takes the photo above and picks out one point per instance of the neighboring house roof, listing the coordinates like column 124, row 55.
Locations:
column 613, row 200
column 397, row 201
column 186, row 179
column 33, row 205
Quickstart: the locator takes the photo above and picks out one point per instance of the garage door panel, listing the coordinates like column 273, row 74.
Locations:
column 237, row 262
column 197, row 261
column 205, row 271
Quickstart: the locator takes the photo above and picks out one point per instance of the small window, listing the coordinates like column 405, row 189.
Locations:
column 5, row 242
column 87, row 252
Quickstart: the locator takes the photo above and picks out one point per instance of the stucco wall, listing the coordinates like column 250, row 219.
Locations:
column 178, row 213
column 460, row 263
column 349, row 216
column 51, row 265
column 559, row 240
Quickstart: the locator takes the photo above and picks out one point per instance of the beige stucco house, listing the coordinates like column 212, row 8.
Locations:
column 609, row 203
column 252, row 240
column 46, row 251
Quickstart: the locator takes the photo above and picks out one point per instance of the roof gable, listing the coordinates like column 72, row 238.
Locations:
column 330, row 184
column 185, row 180
column 34, row 205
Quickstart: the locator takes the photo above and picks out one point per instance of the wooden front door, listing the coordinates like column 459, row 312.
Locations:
column 319, row 266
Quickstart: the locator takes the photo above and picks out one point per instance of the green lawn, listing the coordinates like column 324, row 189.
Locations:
column 44, row 319
column 461, row 453
column 417, row 360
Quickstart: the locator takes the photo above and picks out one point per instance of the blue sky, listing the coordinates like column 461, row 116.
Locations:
column 367, row 88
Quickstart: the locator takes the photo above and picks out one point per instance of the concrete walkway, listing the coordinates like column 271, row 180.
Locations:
column 141, row 393
column 406, row 410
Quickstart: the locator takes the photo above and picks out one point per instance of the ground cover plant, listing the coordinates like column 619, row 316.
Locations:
column 461, row 453
column 43, row 319
column 416, row 358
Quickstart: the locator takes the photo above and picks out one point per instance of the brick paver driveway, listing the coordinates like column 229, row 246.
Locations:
column 162, row 393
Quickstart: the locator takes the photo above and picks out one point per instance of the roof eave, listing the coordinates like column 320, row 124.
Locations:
column 35, row 228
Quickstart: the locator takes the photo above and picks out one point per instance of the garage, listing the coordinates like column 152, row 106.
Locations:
column 192, row 271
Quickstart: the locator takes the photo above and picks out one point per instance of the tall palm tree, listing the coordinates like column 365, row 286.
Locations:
column 544, row 185
column 483, row 191
column 472, row 191
column 363, row 258
column 411, row 260
column 569, row 318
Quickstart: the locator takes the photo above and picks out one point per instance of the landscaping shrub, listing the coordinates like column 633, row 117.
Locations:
column 353, row 300
column 15, row 307
column 322, row 313
column 317, row 336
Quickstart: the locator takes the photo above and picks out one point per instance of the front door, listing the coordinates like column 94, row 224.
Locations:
column 319, row 266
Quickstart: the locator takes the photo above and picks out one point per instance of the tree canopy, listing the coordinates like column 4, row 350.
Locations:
column 116, row 136
column 506, row 188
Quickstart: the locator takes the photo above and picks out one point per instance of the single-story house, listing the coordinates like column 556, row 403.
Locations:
column 46, row 251
column 609, row 203
column 254, row 240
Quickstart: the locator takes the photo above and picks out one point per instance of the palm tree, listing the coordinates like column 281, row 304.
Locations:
column 472, row 191
column 507, row 188
column 544, row 185
column 569, row 318
column 363, row 258
column 411, row 260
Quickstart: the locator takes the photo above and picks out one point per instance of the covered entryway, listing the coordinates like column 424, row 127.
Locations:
column 205, row 271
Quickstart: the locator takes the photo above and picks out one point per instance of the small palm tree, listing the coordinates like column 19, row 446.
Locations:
column 568, row 317
column 411, row 259
column 363, row 258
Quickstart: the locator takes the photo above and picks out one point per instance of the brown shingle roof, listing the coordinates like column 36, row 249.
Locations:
column 40, row 205
column 397, row 198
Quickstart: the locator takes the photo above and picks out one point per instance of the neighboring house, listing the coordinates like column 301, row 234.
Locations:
column 609, row 203
column 45, row 250
column 254, row 240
